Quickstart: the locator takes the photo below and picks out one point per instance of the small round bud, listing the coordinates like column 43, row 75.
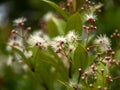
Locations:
column 95, row 78
column 15, row 44
column 110, row 61
column 113, row 61
column 99, row 10
column 107, row 58
column 116, row 31
column 99, row 87
column 109, row 51
column 98, row 54
column 102, row 71
column 80, row 71
column 20, row 24
column 29, row 28
column 14, row 31
column 85, row 27
column 118, row 35
column 86, row 74
column 86, row 1
column 58, row 50
column 88, row 49
column 38, row 44
column 61, row 43
column 83, row 78
column 94, row 68
column 82, row 8
column 112, row 36
column 92, row 27
column 91, row 85
column 105, row 88
column 110, row 80
column 112, row 53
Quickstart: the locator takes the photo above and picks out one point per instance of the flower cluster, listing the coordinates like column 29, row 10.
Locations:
column 65, row 42
column 85, row 68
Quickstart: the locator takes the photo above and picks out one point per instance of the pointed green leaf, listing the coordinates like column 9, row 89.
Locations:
column 115, row 73
column 57, row 8
column 101, row 78
column 91, row 59
column 74, row 23
column 55, row 27
column 80, row 58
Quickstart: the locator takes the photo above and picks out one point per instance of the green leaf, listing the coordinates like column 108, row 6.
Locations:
column 91, row 59
column 44, row 60
column 117, row 55
column 101, row 78
column 59, row 63
column 115, row 73
column 74, row 23
column 55, row 27
column 57, row 8
column 80, row 58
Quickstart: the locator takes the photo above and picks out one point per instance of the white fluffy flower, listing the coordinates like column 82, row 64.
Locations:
column 19, row 21
column 59, row 40
column 90, row 17
column 38, row 37
column 15, row 43
column 103, row 42
column 71, row 36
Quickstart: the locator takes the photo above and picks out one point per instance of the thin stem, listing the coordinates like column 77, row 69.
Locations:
column 20, row 35
column 70, row 62
column 65, row 54
column 70, row 68
column 78, row 79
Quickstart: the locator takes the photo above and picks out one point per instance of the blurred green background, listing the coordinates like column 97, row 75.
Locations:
column 108, row 20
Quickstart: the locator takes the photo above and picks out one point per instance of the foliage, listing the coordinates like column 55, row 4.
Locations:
column 65, row 54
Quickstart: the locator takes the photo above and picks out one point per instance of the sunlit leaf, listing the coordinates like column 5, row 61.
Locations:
column 80, row 58
column 74, row 23
column 55, row 27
